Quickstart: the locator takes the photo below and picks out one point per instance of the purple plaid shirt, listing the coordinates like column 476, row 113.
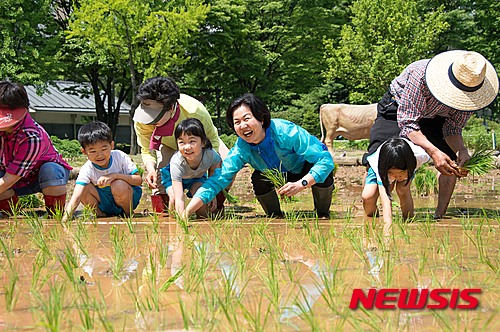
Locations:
column 23, row 151
column 416, row 102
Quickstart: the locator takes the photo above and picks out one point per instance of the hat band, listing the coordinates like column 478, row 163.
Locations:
column 459, row 84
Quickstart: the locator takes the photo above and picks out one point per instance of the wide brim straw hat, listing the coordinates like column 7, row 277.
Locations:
column 463, row 80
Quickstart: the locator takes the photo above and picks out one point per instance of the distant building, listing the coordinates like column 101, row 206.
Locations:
column 62, row 111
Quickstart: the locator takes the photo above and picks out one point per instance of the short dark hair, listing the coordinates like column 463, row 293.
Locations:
column 193, row 127
column 13, row 95
column 395, row 153
column 257, row 107
column 161, row 89
column 94, row 132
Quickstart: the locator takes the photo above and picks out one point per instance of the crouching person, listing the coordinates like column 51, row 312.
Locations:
column 267, row 143
column 109, row 181
column 29, row 162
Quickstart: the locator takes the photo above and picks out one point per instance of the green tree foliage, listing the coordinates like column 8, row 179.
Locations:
column 119, row 42
column 271, row 48
column 28, row 41
column 383, row 37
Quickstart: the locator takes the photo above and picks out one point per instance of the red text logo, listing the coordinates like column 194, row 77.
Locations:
column 391, row 298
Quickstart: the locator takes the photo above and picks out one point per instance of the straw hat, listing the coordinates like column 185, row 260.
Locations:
column 10, row 117
column 463, row 80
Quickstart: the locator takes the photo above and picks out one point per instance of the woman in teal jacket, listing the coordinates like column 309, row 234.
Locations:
column 271, row 144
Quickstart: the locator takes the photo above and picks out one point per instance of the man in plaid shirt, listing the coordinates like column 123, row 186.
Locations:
column 431, row 102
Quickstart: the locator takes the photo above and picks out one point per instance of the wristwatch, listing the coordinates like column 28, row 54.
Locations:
column 304, row 183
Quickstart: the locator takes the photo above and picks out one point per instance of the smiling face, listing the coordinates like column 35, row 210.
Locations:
column 191, row 148
column 395, row 174
column 99, row 153
column 247, row 126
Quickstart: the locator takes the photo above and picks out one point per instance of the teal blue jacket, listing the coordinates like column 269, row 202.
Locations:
column 293, row 146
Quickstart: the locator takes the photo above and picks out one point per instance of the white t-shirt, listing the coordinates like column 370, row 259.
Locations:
column 119, row 162
column 420, row 154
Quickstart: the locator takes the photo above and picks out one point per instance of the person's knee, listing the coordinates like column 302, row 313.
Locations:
column 52, row 175
column 122, row 191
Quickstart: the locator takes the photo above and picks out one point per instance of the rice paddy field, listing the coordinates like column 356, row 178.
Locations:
column 246, row 272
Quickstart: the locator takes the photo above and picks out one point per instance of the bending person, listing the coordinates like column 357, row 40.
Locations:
column 431, row 101
column 271, row 144
column 29, row 162
column 162, row 108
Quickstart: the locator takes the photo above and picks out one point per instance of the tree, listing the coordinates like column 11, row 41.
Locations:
column 271, row 48
column 383, row 37
column 29, row 38
column 120, row 42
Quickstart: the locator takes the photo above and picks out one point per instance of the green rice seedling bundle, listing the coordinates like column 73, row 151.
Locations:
column 278, row 179
column 481, row 162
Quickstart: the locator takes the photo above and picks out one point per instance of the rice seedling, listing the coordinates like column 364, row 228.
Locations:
column 230, row 198
column 11, row 295
column 278, row 179
column 129, row 221
column 38, row 279
column 254, row 319
column 155, row 222
column 481, row 162
column 86, row 306
column 117, row 238
column 89, row 215
column 52, row 308
column 199, row 264
column 38, row 237
column 425, row 181
column 102, row 312
column 69, row 263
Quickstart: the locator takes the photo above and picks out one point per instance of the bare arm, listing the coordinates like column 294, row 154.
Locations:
column 151, row 175
column 456, row 143
column 386, row 206
column 441, row 160
column 193, row 206
column 178, row 190
column 132, row 179
column 7, row 181
column 74, row 202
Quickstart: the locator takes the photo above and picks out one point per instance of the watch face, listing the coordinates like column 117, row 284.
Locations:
column 304, row 183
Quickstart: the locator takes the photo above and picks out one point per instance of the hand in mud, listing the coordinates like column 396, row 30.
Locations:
column 152, row 178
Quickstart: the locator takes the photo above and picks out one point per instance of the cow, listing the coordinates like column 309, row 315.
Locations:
column 351, row 121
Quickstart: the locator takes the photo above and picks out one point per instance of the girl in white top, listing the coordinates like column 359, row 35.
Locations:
column 189, row 166
column 393, row 165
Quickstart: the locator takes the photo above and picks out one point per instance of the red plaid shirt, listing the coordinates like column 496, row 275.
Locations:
column 416, row 102
column 23, row 151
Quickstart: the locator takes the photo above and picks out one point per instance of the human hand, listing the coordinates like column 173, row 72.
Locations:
column 444, row 164
column 291, row 188
column 152, row 178
column 462, row 157
column 105, row 180
column 212, row 205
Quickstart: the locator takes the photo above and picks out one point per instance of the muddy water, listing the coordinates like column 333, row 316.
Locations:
column 250, row 273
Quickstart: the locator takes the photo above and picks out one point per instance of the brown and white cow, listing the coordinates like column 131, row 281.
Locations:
column 351, row 121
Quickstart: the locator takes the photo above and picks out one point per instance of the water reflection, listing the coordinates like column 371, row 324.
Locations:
column 310, row 288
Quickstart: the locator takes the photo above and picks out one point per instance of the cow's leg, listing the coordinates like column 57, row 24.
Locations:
column 329, row 141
